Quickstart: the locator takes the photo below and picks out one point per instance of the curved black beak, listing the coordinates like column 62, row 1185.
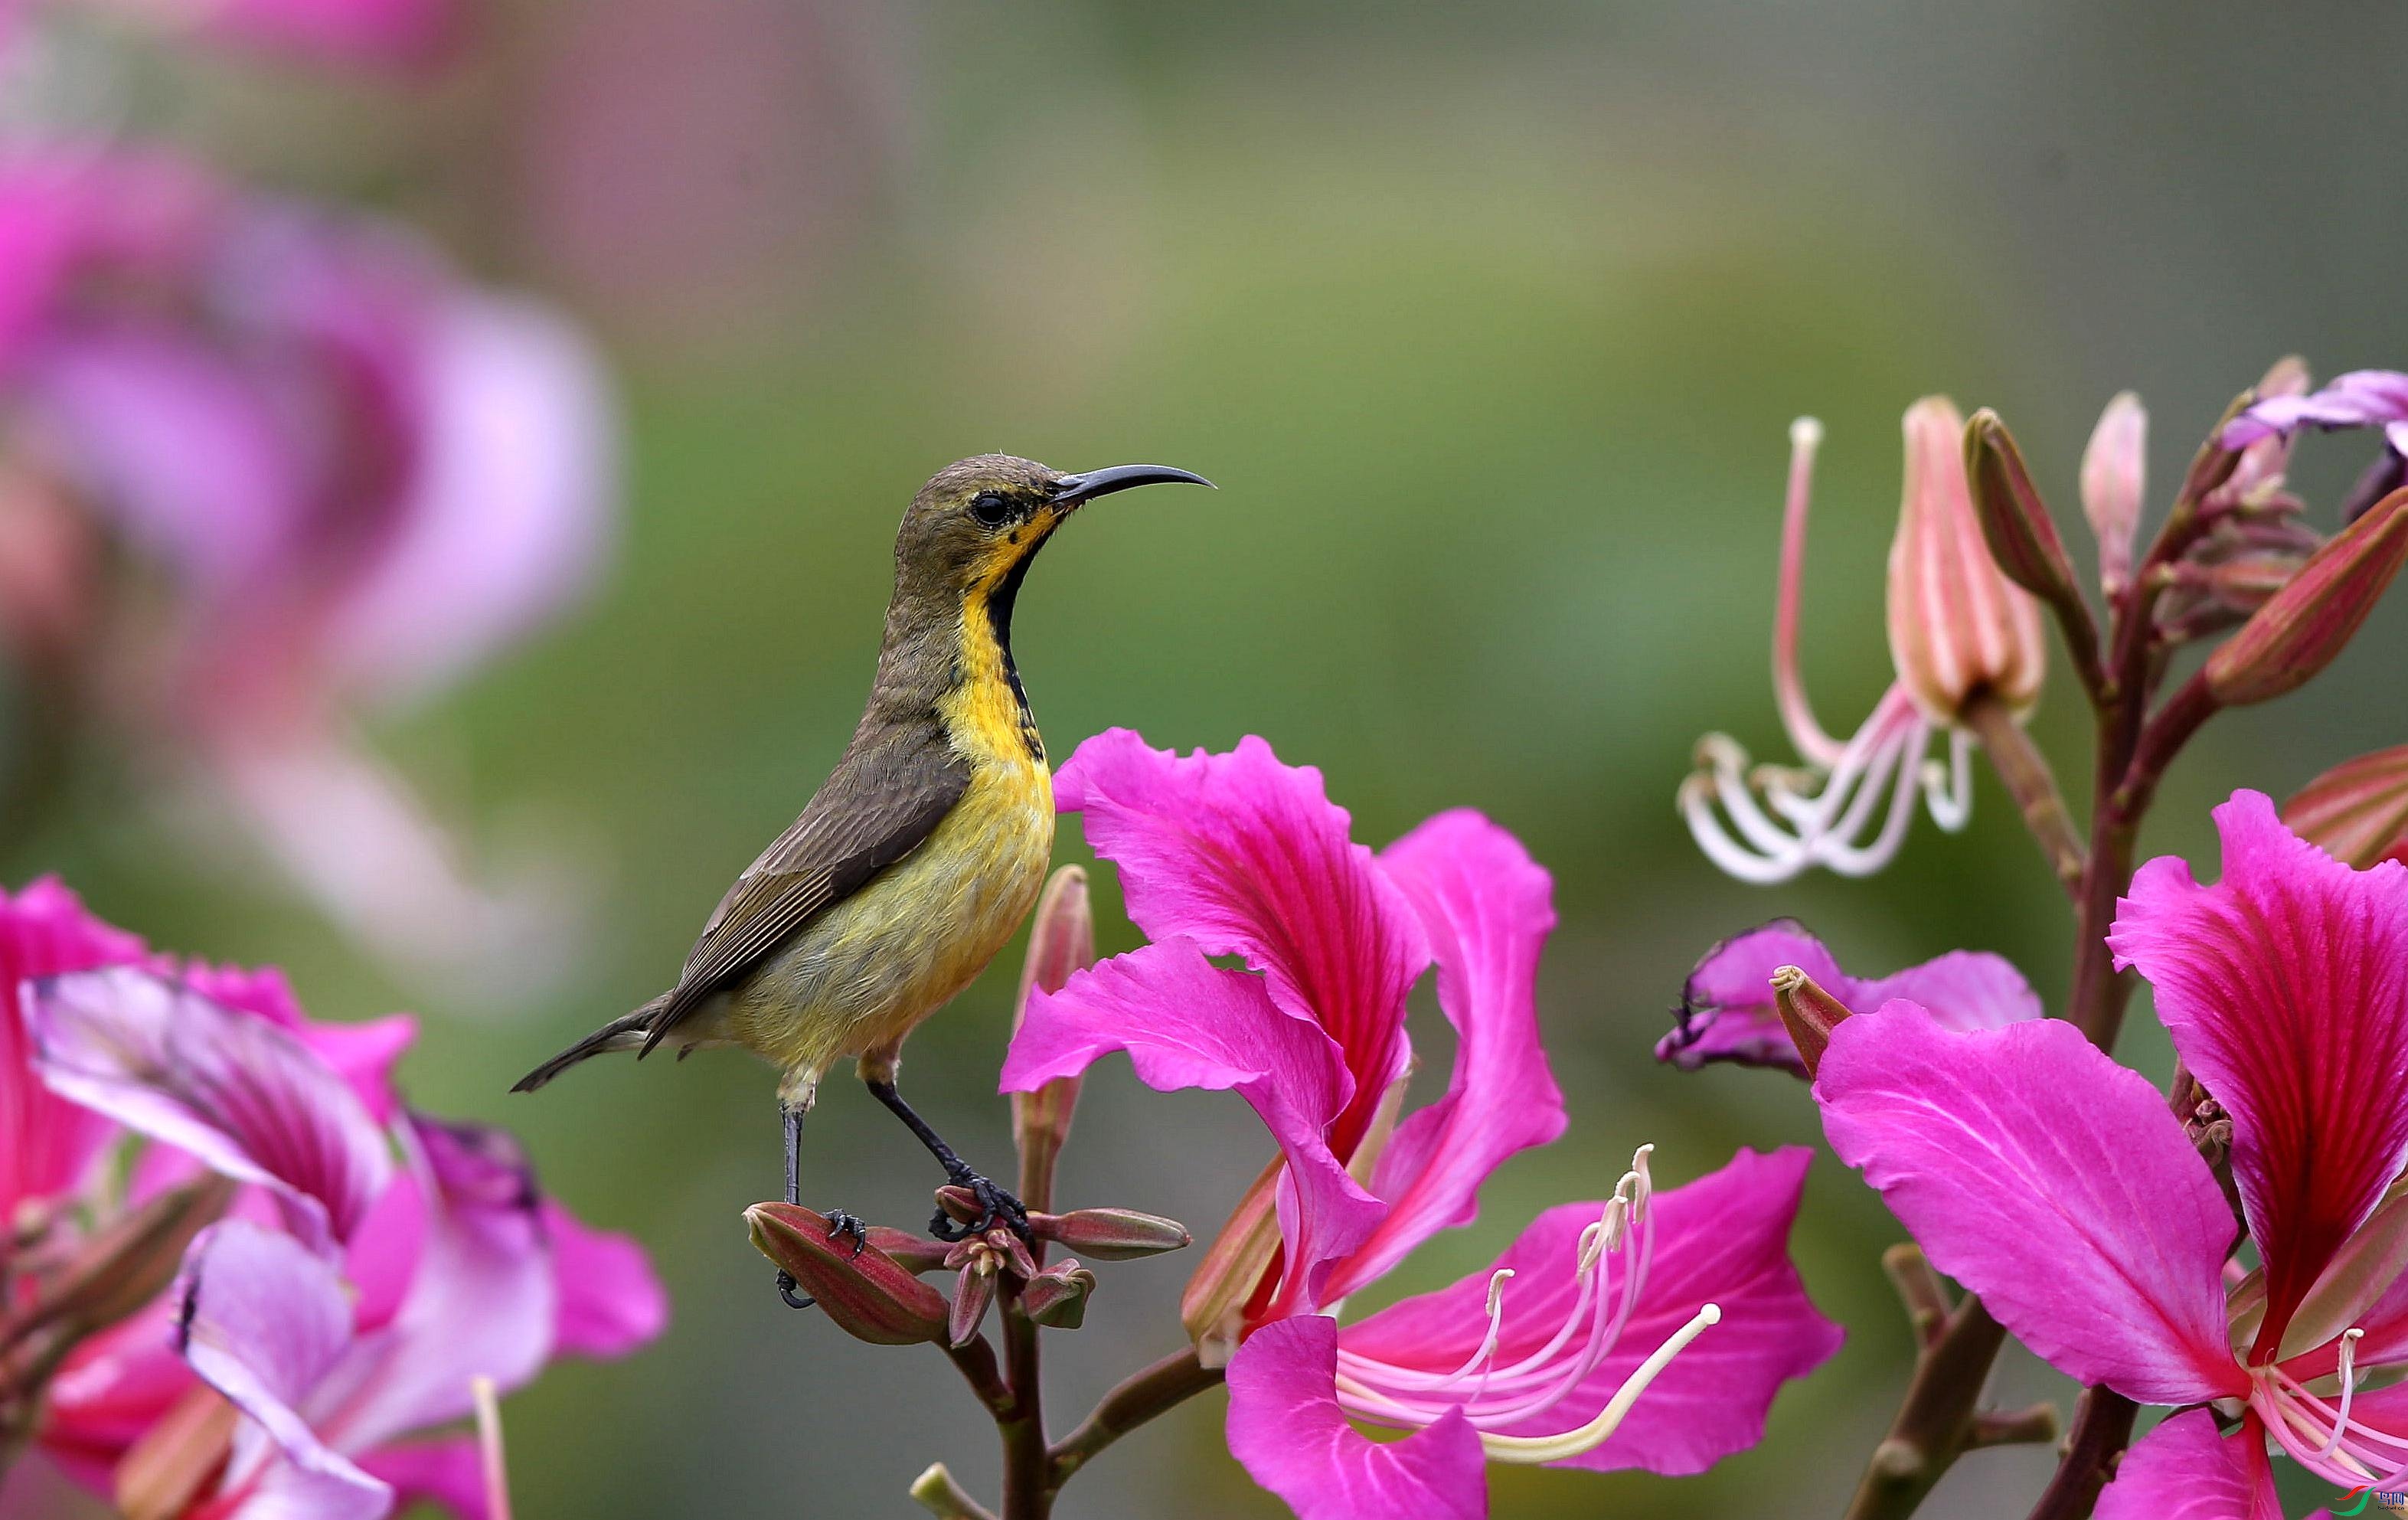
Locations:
column 1070, row 490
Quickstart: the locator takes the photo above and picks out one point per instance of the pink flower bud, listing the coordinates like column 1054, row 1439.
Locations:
column 2357, row 811
column 2114, row 480
column 1111, row 1234
column 973, row 1294
column 868, row 1295
column 1056, row 1298
column 1958, row 627
column 2015, row 521
column 1061, row 941
column 130, row 1263
column 2305, row 625
column 1808, row 1012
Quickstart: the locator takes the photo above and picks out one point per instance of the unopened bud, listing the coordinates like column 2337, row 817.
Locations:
column 1808, row 1012
column 2305, row 625
column 910, row 1252
column 959, row 1204
column 1212, row 1306
column 1056, row 1298
column 866, row 1292
column 1958, row 627
column 1111, row 1234
column 973, row 1294
column 2015, row 521
column 1061, row 941
column 2357, row 811
column 130, row 1263
column 2114, row 481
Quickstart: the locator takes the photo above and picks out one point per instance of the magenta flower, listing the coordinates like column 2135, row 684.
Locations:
column 2361, row 398
column 1958, row 629
column 2057, row 1185
column 1575, row 1347
column 354, row 477
column 47, row 1144
column 448, row 1267
column 1727, row 1014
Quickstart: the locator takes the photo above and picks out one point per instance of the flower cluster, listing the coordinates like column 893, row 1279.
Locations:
column 245, row 1279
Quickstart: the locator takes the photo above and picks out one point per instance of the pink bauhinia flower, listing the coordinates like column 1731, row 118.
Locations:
column 1576, row 1346
column 2060, row 1187
column 1958, row 630
column 449, row 1266
column 352, row 476
column 1725, row 1011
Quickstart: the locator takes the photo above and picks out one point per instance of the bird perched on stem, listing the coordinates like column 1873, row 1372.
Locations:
column 923, row 851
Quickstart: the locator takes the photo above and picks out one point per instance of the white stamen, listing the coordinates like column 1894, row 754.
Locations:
column 1533, row 1450
column 2346, row 1372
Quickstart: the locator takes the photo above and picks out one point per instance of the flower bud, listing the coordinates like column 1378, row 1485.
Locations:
column 1808, row 1012
column 2015, row 521
column 1111, row 1234
column 1056, row 1298
column 2305, row 625
column 869, row 1294
column 2357, row 811
column 1958, row 627
column 1212, row 1306
column 973, row 1294
column 2114, row 480
column 133, row 1261
column 910, row 1252
column 1061, row 940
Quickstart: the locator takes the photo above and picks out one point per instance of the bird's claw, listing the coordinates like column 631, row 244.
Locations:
column 845, row 1224
column 786, row 1285
column 996, row 1207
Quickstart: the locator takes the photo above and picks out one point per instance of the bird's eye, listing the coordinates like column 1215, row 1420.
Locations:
column 990, row 509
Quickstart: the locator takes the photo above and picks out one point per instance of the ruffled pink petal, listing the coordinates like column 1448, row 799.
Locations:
column 448, row 1472
column 242, row 1096
column 1186, row 1023
column 1286, row 1429
column 1487, row 907
column 1246, row 856
column 2285, row 988
column 2185, row 1470
column 265, row 1322
column 46, row 1141
column 481, row 1304
column 365, row 1053
column 610, row 1300
column 2052, row 1182
column 1727, row 1013
column 1722, row 1239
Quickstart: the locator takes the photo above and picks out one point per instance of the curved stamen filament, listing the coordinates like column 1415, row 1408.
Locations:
column 1537, row 1449
column 2347, row 1373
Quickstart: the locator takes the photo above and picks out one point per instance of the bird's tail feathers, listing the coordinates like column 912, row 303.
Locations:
column 624, row 1033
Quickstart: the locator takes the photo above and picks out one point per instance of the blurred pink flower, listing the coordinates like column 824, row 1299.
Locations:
column 2057, row 1185
column 345, row 1303
column 387, row 36
column 47, row 1144
column 1727, row 1013
column 353, row 477
column 1544, row 1357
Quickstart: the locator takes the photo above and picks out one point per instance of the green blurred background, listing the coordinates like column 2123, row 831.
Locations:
column 1489, row 322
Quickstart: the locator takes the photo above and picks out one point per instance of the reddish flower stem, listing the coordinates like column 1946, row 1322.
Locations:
column 1141, row 1397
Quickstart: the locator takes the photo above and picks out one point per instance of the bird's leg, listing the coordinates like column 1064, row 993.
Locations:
column 841, row 1221
column 998, row 1206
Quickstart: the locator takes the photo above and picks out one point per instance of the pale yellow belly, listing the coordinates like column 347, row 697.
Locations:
column 864, row 972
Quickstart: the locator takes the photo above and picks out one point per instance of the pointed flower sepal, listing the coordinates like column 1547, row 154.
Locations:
column 866, row 1292
column 2313, row 618
column 1061, row 942
column 123, row 1267
column 1111, row 1234
column 1958, row 628
column 2357, row 811
column 1056, row 1298
column 978, row 1261
column 1808, row 1012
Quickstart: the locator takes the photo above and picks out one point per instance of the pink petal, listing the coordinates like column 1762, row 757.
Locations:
column 481, row 1302
column 1186, row 1023
column 1286, row 1429
column 1727, row 1014
column 1247, row 856
column 2285, row 988
column 448, row 1472
column 1723, row 1239
column 365, row 1053
column 2185, row 1470
column 610, row 1302
column 2052, row 1182
column 46, row 1141
column 1487, row 907
column 245, row 1097
column 264, row 1322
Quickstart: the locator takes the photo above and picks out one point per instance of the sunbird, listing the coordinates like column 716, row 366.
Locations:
column 922, row 851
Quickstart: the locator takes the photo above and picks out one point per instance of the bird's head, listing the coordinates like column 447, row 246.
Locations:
column 976, row 525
